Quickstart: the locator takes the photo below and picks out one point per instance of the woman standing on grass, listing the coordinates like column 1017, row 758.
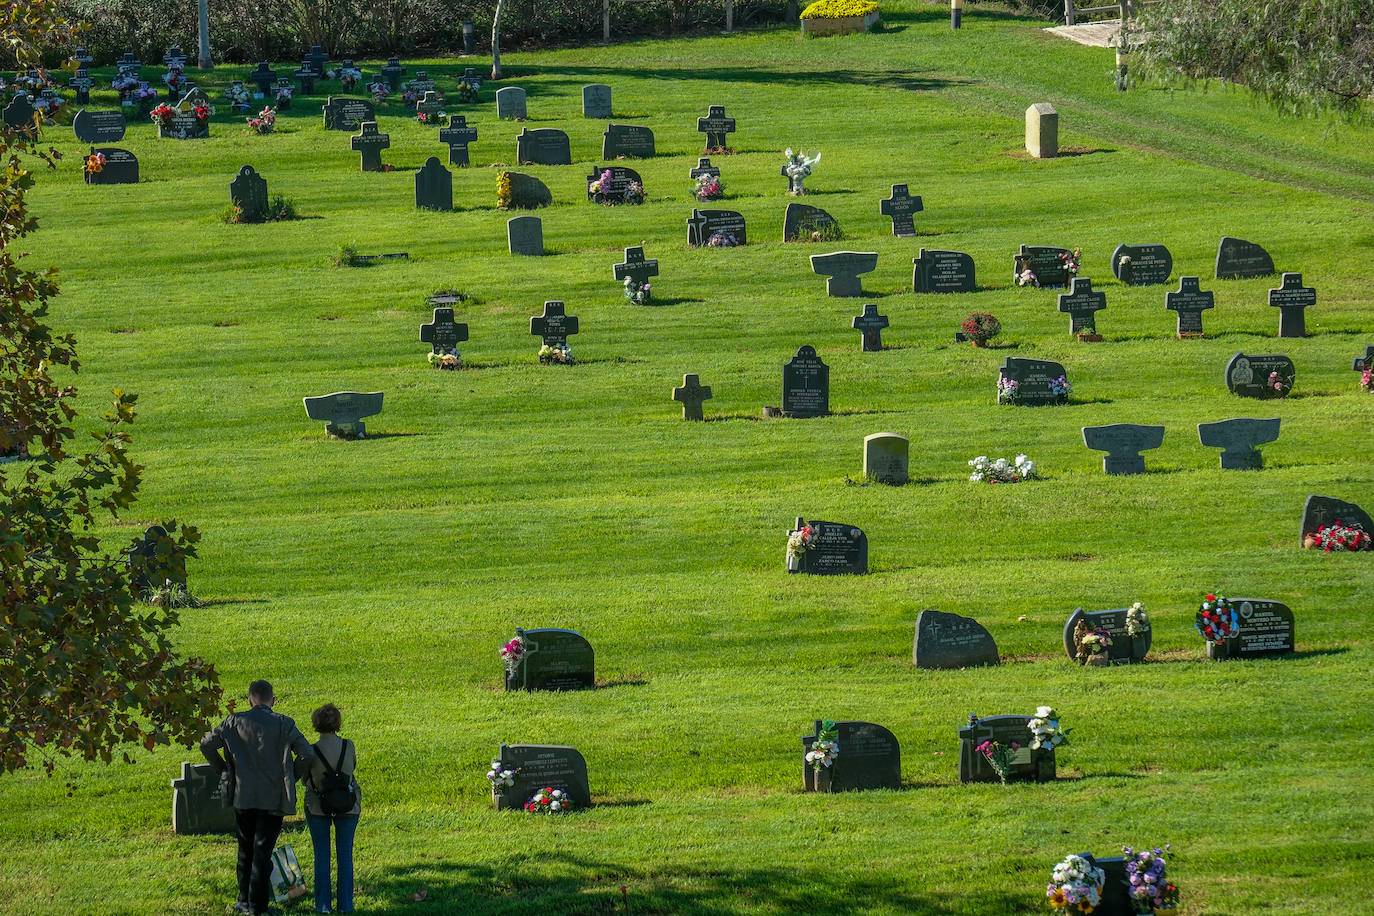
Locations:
column 332, row 799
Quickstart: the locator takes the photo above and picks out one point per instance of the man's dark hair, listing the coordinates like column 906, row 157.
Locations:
column 327, row 719
column 260, row 691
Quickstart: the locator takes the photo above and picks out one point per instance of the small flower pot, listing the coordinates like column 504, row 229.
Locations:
column 1309, row 541
column 822, row 779
column 840, row 25
column 1222, row 649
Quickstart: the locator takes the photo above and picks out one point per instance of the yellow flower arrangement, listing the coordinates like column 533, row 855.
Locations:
column 503, row 191
column 839, row 9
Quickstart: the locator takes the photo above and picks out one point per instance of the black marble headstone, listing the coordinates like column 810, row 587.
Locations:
column 835, row 549
column 347, row 114
column 951, row 641
column 542, row 766
column 433, row 186
column 1124, row 649
column 554, row 660
column 1036, row 765
column 1046, row 262
column 1266, row 628
column 1248, row 376
column 715, row 126
column 1320, row 511
column 1189, row 302
column 806, row 385
column 1033, row 376
column 703, row 224
column 121, row 167
column 939, row 271
column 612, row 189
column 1292, row 299
column 901, row 206
column 527, row 192
column 442, row 333
column 543, row 146
column 1237, row 258
column 248, row 192
column 869, row 758
column 871, row 325
column 553, row 326
column 103, row 126
column 800, row 220
column 457, row 135
column 1148, row 264
column 197, row 804
column 369, row 143
column 627, row 140
column 1081, row 304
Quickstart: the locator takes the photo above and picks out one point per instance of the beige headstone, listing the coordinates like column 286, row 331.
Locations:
column 885, row 458
column 1042, row 131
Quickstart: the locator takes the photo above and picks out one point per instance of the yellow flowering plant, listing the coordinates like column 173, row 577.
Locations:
column 839, row 9
column 503, row 191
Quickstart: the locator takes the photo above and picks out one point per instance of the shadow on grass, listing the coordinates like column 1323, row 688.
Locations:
column 224, row 602
column 672, row 300
column 1311, row 653
column 741, row 74
column 624, row 680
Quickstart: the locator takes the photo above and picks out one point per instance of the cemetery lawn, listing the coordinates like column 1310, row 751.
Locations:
column 383, row 575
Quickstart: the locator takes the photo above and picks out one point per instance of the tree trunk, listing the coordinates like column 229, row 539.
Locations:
column 496, row 40
column 203, row 11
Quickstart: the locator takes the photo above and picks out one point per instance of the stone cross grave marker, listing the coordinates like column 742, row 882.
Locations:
column 1145, row 265
column 369, row 143
column 1237, row 259
column 317, row 58
column 871, row 325
column 869, row 758
column 1034, row 379
column 1042, row 131
column 635, row 266
column 1045, row 261
column 128, row 63
column 950, row 641
column 392, row 73
column 836, row 549
column 105, row 126
column 510, row 103
column 553, row 327
column 344, row 411
column 1239, row 438
column 543, row 146
column 18, row 116
column 283, row 86
column 541, row 766
column 347, row 114
column 806, row 385
column 885, row 458
column 525, row 235
column 430, row 105
column 1292, row 300
column 938, row 271
column 1248, row 375
column 703, row 224
column 627, row 140
column 596, row 101
column 443, row 334
column 800, row 220
column 82, row 83
column 554, row 659
column 422, row 85
column 1189, row 302
column 197, row 803
column 458, row 135
column 692, row 393
column 1123, row 443
column 715, row 126
column 433, row 186
column 841, row 270
column 901, row 206
column 703, row 167
column 305, row 77
column 1320, row 511
column 264, row 76
column 81, row 57
column 248, row 192
column 121, row 167
column 1027, row 765
column 1081, row 304
column 1124, row 649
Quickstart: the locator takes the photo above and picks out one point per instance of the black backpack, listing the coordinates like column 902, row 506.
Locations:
column 336, row 792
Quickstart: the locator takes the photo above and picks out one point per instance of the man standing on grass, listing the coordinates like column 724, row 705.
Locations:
column 259, row 744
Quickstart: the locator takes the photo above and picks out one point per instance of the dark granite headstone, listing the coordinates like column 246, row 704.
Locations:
column 800, row 220
column 1239, row 439
column 121, row 167
column 369, row 144
column 950, row 641
column 715, row 126
column 1124, row 649
column 510, row 103
column 543, row 146
column 1115, row 899
column 631, row 140
column 1248, row 376
column 525, row 235
column 703, row 224
column 835, row 549
column 943, row 272
column 81, row 57
column 264, row 76
column 1036, row 765
column 128, row 63
column 162, row 561
column 1148, row 265
column 527, row 192
column 1189, row 302
column 596, row 101
column 553, row 327
column 197, row 803
column 1081, row 304
column 635, row 266
column 841, row 270
column 433, row 186
column 554, row 660
column 392, row 73
column 1292, row 299
column 869, row 758
column 1320, row 511
column 82, row 83
column 344, row 411
column 18, row 116
column 611, row 189
column 105, row 126
column 1237, row 258
column 886, row 457
column 691, row 395
column 703, row 167
column 443, row 334
column 1266, row 628
column 347, row 114
column 430, row 106
column 542, row 766
column 1046, row 262
column 1123, row 443
column 871, row 325
column 184, row 124
column 317, row 59
column 457, row 135
column 305, row 77
column 806, row 385
column 248, row 192
column 1033, row 376
column 902, row 207
column 421, row 86
column 1361, row 363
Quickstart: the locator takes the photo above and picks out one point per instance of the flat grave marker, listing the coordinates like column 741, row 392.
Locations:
column 1123, row 443
column 1239, row 438
column 902, row 207
column 1292, row 299
column 951, row 641
column 691, row 394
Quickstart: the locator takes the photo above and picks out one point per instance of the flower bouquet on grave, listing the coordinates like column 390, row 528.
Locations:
column 798, row 543
column 93, row 164
column 1090, row 644
column 797, row 168
column 1150, row 889
column 1367, row 380
column 1076, row 886
column 503, row 191
column 502, row 778
column 1137, row 621
column 467, row 88
column 1339, row 536
column 1217, row 622
column 549, row 800
column 237, row 96
column 425, row 117
column 379, row 91
column 637, row 292
column 1276, row 386
column 174, row 79
column 125, row 84
column 146, row 96
column 999, row 756
column 1018, row 469
column 513, row 655
column 1024, row 275
column 449, row 359
column 709, row 187
column 264, row 123
column 1061, row 388
column 981, row 327
column 409, row 97
column 722, row 240
column 347, row 76
column 162, row 115
column 1008, row 390
column 284, row 96
column 821, row 756
column 202, row 113
column 1070, row 260
column 559, row 353
column 1046, row 732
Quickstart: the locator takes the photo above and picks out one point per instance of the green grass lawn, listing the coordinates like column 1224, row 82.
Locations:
column 383, row 575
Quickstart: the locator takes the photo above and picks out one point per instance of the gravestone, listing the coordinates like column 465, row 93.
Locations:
column 82, row 83
column 871, row 325
column 950, row 641
column 369, row 143
column 1320, row 511
column 1034, row 378
column 691, row 395
column 1266, row 628
column 635, row 267
column 443, row 334
column 527, row 192
column 510, row 103
column 175, row 57
column 612, row 188
column 1148, row 265
column 305, row 77
column 543, row 146
column 1124, row 649
column 943, row 272
column 1292, row 299
column 184, row 124
column 703, row 224
column 901, row 206
column 542, row 766
column 422, row 85
column 1362, row 363
column 81, row 57
column 1189, row 302
column 347, row 114
column 836, row 549
column 1027, row 765
column 121, row 167
column 1042, row 131
column 806, row 385
column 392, row 73
column 317, row 58
column 162, row 562
column 596, row 101
column 554, row 327
column 283, row 86
column 457, row 135
column 885, row 458
column 1123, row 443
column 128, row 63
column 18, row 116
column 344, row 411
column 433, row 186
column 525, row 235
column 248, row 192
column 630, row 140
column 554, row 660
column 1248, row 375
column 703, row 167
column 430, row 106
column 1115, row 899
column 1046, row 262
column 869, row 758
column 800, row 220
column 715, row 126
column 264, row 76
column 841, row 270
column 1237, row 259
column 105, row 126
column 197, row 803
column 1081, row 304
column 1239, row 439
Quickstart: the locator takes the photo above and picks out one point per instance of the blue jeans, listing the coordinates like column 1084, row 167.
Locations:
column 344, row 827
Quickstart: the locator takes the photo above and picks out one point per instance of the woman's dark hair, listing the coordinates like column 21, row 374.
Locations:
column 327, row 719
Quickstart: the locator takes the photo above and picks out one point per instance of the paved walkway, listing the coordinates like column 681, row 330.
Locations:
column 1094, row 34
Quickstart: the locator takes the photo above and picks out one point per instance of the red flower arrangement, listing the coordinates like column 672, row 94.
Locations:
column 202, row 112
column 1340, row 536
column 1217, row 619
column 163, row 114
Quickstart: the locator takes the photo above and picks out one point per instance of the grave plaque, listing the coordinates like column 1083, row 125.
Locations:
column 1049, row 264
column 344, row 411
column 554, row 660
column 1320, row 511
column 248, row 192
column 105, row 126
column 806, row 385
column 184, row 124
column 1143, row 265
column 543, row 146
column 1257, row 376
column 392, row 73
column 799, row 221
column 525, row 235
column 943, row 272
column 347, row 114
column 901, row 206
column 510, row 103
column 1237, row 259
column 611, row 188
column 197, row 803
column 121, row 167
column 1042, row 131
column 457, row 135
column 841, row 270
column 715, row 126
column 554, row 327
column 1082, row 304
column 1239, row 439
column 871, row 325
column 369, row 144
column 1266, row 628
column 869, row 758
column 264, row 76
column 541, row 766
column 1124, row 649
column 835, row 549
column 596, row 101
column 18, row 116
column 691, row 395
column 1189, row 302
column 635, row 266
column 1027, row 765
column 433, row 186
column 1123, row 443
column 82, row 83
column 443, row 334
column 703, row 224
column 1292, row 299
column 1034, row 378
column 527, row 192
column 885, row 458
column 627, row 140
column 703, row 167
column 950, row 641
